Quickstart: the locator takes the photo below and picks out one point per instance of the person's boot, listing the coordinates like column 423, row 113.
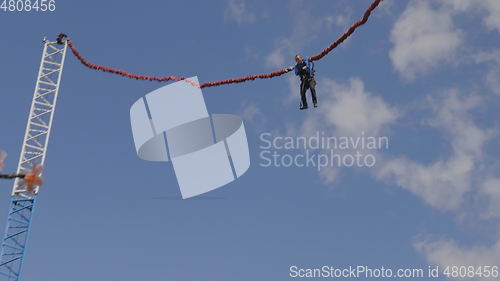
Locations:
column 315, row 104
column 302, row 107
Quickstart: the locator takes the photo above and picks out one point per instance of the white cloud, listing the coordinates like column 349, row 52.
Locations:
column 492, row 56
column 341, row 20
column 329, row 174
column 252, row 113
column 276, row 58
column 444, row 183
column 237, row 11
column 346, row 109
column 387, row 7
column 460, row 5
column 493, row 19
column 492, row 77
column 423, row 38
column 490, row 7
column 490, row 189
column 453, row 117
column 448, row 253
column 351, row 109
column 493, row 80
column 293, row 89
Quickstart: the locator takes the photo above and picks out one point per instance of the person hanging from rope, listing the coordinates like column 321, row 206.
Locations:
column 30, row 179
column 304, row 70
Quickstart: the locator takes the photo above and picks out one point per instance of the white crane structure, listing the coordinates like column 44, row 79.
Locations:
column 34, row 151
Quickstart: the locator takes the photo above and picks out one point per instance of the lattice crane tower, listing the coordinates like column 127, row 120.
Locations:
column 33, row 151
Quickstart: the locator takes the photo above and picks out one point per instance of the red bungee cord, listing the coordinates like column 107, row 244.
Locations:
column 316, row 57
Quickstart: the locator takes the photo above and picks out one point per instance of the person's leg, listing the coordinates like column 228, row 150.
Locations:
column 311, row 84
column 303, row 90
column 313, row 94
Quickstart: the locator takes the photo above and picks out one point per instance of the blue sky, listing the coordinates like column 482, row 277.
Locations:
column 423, row 73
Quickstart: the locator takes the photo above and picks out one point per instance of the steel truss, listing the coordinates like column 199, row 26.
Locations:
column 34, row 150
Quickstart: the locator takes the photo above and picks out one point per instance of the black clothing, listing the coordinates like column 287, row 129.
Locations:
column 308, row 84
column 60, row 38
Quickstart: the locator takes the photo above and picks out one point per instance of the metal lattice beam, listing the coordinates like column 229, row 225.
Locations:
column 34, row 150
